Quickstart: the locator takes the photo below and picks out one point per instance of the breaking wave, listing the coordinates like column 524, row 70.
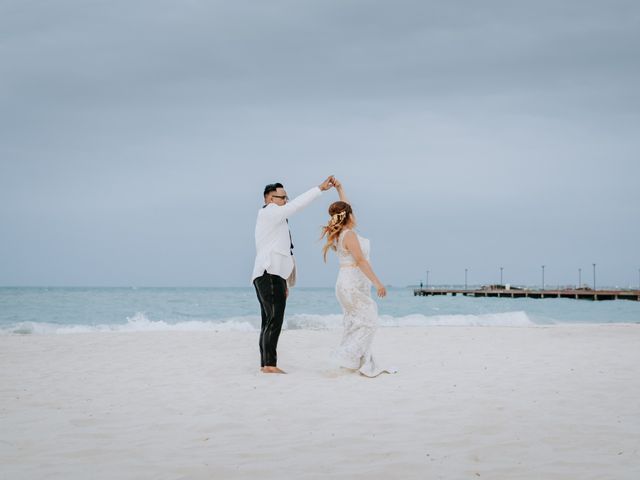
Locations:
column 140, row 323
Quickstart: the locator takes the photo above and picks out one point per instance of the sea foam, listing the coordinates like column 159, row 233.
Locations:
column 141, row 323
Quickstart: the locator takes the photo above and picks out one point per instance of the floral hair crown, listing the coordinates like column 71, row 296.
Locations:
column 338, row 217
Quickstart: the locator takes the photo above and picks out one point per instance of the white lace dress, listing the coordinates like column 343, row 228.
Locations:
column 353, row 290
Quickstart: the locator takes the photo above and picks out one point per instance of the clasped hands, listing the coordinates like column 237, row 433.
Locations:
column 330, row 182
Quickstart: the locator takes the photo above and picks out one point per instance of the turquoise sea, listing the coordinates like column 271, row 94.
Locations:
column 45, row 310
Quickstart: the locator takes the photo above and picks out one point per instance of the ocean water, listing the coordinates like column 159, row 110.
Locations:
column 67, row 310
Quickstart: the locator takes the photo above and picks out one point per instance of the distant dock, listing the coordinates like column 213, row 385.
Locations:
column 495, row 291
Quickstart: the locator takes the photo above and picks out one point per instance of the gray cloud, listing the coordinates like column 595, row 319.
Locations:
column 135, row 137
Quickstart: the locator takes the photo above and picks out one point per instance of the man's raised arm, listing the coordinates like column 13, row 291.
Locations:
column 301, row 201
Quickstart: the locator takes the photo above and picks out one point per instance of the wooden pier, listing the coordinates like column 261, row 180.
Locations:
column 578, row 293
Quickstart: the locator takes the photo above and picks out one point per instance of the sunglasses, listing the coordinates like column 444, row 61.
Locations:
column 283, row 197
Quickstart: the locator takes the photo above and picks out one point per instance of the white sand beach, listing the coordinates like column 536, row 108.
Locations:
column 557, row 402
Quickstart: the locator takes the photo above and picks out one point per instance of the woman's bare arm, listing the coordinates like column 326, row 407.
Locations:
column 352, row 245
column 340, row 189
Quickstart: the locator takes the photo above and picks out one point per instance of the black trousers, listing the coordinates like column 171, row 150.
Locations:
column 272, row 295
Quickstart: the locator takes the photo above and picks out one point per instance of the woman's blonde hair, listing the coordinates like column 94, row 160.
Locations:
column 340, row 213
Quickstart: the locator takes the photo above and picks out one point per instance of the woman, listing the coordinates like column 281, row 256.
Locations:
column 353, row 288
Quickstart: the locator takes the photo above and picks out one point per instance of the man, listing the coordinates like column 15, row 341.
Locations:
column 274, row 270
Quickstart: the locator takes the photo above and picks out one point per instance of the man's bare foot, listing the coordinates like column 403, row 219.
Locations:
column 271, row 370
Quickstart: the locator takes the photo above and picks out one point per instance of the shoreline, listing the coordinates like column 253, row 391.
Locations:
column 222, row 328
column 548, row 401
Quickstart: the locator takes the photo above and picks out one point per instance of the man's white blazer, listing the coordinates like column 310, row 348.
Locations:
column 273, row 243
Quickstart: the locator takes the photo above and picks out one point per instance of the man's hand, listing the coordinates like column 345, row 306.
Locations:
column 327, row 184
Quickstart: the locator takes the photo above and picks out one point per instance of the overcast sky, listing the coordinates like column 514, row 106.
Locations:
column 136, row 137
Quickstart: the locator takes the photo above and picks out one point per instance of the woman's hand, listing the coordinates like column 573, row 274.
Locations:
column 336, row 183
column 382, row 291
